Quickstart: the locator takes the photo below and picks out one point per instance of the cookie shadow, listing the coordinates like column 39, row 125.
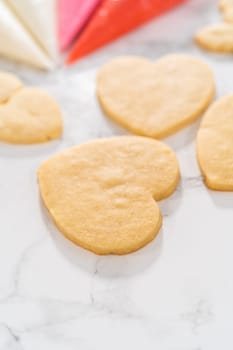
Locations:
column 28, row 151
column 172, row 203
column 183, row 137
column 222, row 199
column 108, row 266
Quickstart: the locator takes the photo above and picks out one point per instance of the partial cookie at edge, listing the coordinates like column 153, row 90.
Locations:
column 215, row 145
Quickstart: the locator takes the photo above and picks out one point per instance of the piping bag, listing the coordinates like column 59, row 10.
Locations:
column 72, row 16
column 114, row 18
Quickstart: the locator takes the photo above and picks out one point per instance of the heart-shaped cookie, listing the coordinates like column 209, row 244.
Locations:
column 27, row 115
column 155, row 99
column 226, row 7
column 215, row 145
column 9, row 84
column 216, row 38
column 102, row 194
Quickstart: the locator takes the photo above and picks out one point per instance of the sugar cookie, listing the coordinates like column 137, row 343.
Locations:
column 226, row 7
column 215, row 145
column 9, row 84
column 155, row 99
column 102, row 194
column 216, row 38
column 27, row 115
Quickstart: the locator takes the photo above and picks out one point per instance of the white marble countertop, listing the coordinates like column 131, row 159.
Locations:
column 175, row 294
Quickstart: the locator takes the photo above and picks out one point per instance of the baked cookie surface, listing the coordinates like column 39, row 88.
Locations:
column 102, row 195
column 9, row 84
column 27, row 115
column 216, row 38
column 226, row 7
column 215, row 145
column 155, row 99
